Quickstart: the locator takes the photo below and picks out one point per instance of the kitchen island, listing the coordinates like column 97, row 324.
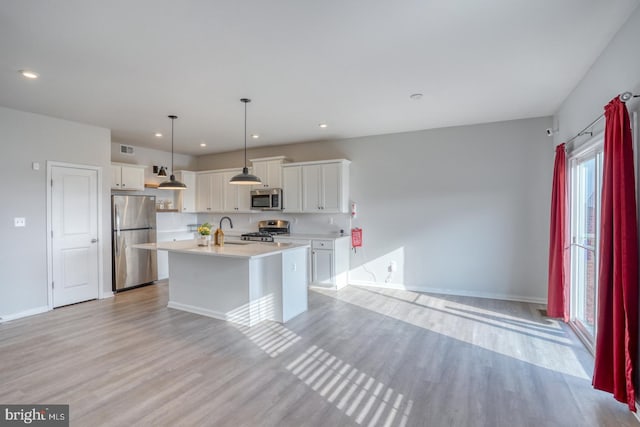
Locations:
column 240, row 282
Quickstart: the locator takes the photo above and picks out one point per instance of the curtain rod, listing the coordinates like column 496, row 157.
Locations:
column 624, row 97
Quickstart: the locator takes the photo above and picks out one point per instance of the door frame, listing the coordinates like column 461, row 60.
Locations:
column 100, row 192
column 573, row 156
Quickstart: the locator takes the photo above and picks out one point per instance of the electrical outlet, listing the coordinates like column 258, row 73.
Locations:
column 393, row 267
column 331, row 220
column 294, row 267
column 19, row 222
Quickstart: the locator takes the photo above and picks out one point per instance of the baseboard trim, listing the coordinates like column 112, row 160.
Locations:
column 26, row 313
column 196, row 310
column 462, row 293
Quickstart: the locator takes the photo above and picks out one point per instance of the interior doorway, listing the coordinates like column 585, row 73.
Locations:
column 73, row 207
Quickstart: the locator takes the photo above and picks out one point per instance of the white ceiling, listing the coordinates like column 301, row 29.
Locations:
column 126, row 65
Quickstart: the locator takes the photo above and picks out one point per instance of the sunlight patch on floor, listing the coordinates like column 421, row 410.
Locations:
column 474, row 325
column 271, row 337
column 361, row 397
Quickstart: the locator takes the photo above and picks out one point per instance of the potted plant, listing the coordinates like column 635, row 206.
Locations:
column 204, row 234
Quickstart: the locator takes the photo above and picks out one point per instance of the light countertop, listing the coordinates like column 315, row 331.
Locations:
column 231, row 250
column 235, row 235
column 297, row 236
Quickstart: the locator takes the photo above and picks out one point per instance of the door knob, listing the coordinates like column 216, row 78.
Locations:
column 94, row 240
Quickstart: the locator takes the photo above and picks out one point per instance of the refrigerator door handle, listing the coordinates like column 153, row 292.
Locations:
column 117, row 219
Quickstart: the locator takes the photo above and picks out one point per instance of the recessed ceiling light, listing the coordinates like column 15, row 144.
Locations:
column 255, row 136
column 323, row 125
column 203, row 144
column 29, row 74
column 416, row 96
column 158, row 135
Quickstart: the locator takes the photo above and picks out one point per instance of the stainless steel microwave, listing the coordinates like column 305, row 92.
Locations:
column 267, row 199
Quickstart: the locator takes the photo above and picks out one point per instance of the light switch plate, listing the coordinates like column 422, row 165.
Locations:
column 19, row 222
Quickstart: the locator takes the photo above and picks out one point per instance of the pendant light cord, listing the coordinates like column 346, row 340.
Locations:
column 245, row 135
column 172, row 120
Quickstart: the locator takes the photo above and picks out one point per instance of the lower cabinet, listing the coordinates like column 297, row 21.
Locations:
column 329, row 260
column 322, row 268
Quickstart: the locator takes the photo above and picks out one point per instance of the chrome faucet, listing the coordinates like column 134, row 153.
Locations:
column 226, row 217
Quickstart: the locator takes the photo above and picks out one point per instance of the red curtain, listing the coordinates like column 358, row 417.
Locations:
column 617, row 333
column 556, row 301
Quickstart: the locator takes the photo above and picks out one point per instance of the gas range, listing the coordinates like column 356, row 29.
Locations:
column 258, row 237
column 266, row 230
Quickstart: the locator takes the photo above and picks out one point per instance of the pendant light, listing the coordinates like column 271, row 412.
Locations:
column 245, row 178
column 172, row 184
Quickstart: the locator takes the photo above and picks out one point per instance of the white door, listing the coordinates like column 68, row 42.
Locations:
column 74, row 227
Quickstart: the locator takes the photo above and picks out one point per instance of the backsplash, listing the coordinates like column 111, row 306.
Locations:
column 300, row 223
column 173, row 221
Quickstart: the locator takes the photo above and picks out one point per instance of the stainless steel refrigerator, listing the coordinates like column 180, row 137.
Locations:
column 133, row 220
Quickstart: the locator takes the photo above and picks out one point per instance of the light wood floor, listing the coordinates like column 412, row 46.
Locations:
column 360, row 356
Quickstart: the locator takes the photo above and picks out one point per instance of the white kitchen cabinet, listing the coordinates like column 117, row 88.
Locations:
column 292, row 189
column 324, row 186
column 329, row 260
column 210, row 192
column 127, row 177
column 321, row 267
column 186, row 199
column 237, row 198
column 269, row 170
column 215, row 194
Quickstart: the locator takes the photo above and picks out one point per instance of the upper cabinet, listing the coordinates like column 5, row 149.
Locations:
column 186, row 198
column 316, row 186
column 215, row 194
column 209, row 192
column 292, row 188
column 269, row 170
column 237, row 198
column 127, row 177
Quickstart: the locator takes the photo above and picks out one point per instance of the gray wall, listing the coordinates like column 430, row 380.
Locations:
column 27, row 138
column 461, row 210
column 150, row 157
column 617, row 70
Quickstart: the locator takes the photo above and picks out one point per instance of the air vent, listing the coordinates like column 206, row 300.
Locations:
column 126, row 149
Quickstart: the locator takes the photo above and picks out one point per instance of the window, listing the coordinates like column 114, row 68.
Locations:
column 585, row 191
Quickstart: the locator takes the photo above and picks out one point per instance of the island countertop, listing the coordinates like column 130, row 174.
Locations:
column 230, row 249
